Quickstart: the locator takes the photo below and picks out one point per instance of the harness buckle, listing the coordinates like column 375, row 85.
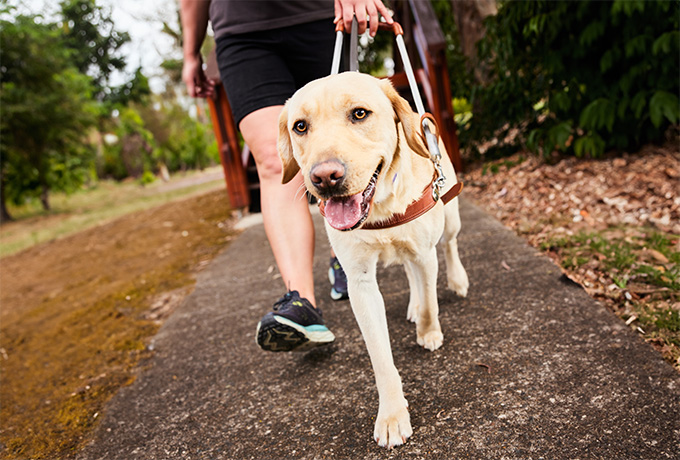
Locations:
column 431, row 138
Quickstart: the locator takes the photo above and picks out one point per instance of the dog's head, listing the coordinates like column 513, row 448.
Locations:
column 342, row 133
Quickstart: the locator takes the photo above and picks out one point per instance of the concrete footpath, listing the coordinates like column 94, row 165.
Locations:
column 531, row 368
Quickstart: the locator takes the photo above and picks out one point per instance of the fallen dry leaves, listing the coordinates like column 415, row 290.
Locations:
column 622, row 197
column 573, row 194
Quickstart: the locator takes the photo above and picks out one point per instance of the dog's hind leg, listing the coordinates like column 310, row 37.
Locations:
column 415, row 292
column 428, row 329
column 455, row 272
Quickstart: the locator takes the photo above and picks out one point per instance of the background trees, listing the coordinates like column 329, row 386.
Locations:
column 46, row 108
column 58, row 105
column 89, row 33
column 573, row 77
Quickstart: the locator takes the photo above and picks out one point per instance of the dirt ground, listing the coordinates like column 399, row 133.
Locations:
column 78, row 312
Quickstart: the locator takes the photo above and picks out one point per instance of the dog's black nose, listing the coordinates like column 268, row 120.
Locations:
column 328, row 175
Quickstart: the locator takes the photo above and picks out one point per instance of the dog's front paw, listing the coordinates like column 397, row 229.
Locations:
column 392, row 428
column 431, row 340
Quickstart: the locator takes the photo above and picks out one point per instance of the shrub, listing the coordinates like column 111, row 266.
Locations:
column 579, row 77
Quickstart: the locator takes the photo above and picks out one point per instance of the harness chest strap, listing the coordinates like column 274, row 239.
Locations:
column 414, row 210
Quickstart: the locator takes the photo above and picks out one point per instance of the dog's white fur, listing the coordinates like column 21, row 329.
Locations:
column 389, row 134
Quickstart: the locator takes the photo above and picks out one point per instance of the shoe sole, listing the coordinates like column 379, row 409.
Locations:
column 335, row 295
column 276, row 333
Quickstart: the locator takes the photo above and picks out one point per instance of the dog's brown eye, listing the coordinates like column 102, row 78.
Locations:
column 359, row 114
column 300, row 126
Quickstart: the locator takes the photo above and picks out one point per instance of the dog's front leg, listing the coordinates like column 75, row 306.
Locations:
column 393, row 424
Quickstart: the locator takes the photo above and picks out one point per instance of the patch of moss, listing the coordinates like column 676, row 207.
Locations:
column 75, row 323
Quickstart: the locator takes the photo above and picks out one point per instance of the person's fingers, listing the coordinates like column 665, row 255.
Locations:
column 191, row 89
column 195, row 79
column 209, row 87
column 191, row 75
column 337, row 6
column 199, row 84
column 367, row 13
column 347, row 16
column 384, row 11
column 373, row 20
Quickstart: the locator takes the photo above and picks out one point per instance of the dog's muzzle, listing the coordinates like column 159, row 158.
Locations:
column 349, row 212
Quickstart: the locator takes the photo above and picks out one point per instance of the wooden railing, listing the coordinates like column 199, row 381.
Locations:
column 425, row 40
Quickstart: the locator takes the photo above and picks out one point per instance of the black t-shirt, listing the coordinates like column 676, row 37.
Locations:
column 241, row 16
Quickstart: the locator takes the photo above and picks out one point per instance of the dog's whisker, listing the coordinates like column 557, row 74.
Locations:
column 301, row 190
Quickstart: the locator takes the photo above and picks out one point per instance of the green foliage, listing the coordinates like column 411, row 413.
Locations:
column 579, row 77
column 625, row 258
column 460, row 78
column 136, row 90
column 373, row 51
column 88, row 33
column 47, row 108
column 668, row 319
column 462, row 111
column 149, row 135
column 54, row 90
column 130, row 155
column 147, row 178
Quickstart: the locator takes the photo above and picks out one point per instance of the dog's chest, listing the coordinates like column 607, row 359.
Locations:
column 398, row 249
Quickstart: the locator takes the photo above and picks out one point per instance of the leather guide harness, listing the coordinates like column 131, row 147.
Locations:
column 432, row 193
column 414, row 210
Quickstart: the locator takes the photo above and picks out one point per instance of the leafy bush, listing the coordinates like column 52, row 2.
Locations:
column 147, row 178
column 579, row 77
column 182, row 142
column 130, row 156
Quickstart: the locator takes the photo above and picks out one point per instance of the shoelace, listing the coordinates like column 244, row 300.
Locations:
column 283, row 300
column 289, row 295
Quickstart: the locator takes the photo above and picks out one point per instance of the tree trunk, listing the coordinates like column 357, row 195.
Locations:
column 4, row 213
column 44, row 191
column 469, row 15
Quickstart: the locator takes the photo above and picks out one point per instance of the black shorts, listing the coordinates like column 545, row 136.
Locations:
column 263, row 69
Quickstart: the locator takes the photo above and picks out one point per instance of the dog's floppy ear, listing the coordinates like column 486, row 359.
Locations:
column 285, row 148
column 405, row 115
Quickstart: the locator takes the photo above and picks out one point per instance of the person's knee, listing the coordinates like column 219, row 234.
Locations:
column 269, row 166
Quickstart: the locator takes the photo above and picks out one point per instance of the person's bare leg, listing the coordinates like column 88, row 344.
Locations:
column 285, row 211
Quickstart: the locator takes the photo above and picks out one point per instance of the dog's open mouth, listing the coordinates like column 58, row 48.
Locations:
column 349, row 212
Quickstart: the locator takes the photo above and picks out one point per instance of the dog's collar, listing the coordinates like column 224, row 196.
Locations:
column 414, row 210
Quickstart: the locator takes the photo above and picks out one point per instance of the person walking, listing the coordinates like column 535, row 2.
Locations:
column 266, row 50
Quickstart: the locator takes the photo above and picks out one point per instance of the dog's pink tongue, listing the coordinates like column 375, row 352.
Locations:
column 343, row 213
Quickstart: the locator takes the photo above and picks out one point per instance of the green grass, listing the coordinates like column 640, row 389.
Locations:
column 644, row 266
column 92, row 206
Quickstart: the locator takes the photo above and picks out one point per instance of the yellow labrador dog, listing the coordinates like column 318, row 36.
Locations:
column 357, row 144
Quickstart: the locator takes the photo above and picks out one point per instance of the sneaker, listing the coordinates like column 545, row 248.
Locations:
column 294, row 325
column 338, row 280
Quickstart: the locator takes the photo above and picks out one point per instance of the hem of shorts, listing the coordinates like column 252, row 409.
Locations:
column 261, row 104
